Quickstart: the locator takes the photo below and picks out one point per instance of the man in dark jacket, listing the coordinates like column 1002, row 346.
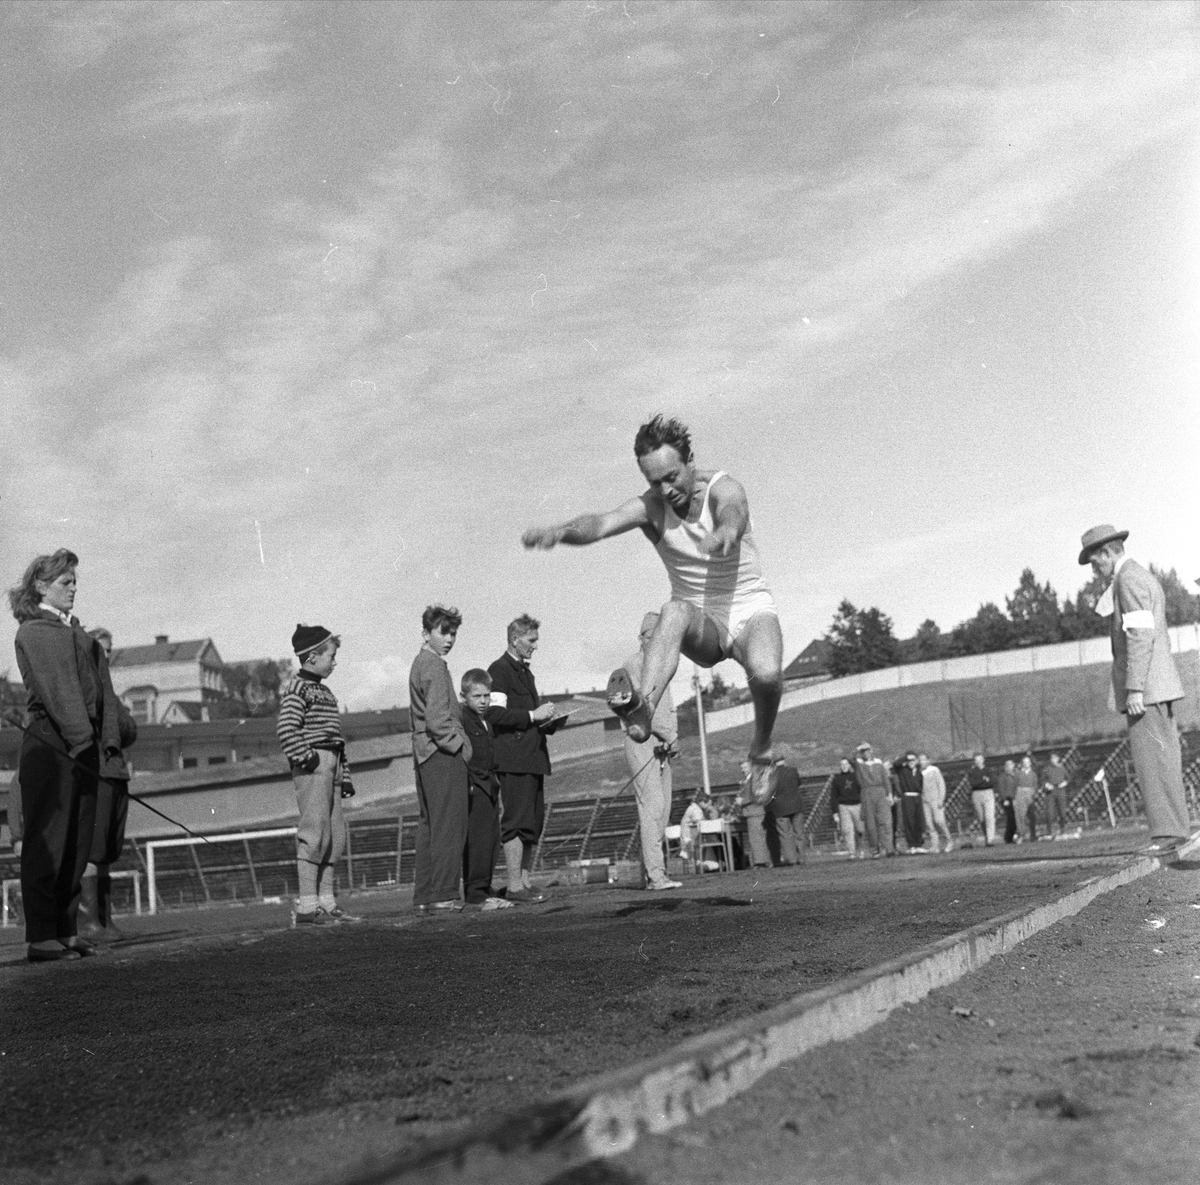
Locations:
column 912, row 809
column 846, row 798
column 522, row 758
column 983, row 798
column 787, row 811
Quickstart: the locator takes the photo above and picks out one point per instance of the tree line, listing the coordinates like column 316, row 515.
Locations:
column 864, row 640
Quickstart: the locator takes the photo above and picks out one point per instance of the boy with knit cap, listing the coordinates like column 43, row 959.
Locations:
column 310, row 734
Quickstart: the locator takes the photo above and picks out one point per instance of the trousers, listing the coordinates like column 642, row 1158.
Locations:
column 483, row 845
column 877, row 819
column 58, row 801
column 652, row 789
column 850, row 820
column 443, row 805
column 984, row 802
column 1154, row 746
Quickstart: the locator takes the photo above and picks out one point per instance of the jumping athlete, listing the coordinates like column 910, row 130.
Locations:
column 699, row 523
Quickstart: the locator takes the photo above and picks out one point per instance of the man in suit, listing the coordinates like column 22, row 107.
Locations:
column 787, row 809
column 522, row 758
column 1145, row 682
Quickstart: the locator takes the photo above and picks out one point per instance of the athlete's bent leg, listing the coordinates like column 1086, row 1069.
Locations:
column 681, row 628
column 759, row 649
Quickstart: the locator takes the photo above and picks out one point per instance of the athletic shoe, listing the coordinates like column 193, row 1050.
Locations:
column 308, row 919
column 337, row 914
column 762, row 780
column 659, row 886
column 625, row 700
column 948, row 848
column 525, row 896
column 492, row 903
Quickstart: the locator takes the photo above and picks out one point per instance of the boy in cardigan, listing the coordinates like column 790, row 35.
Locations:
column 483, row 807
column 310, row 735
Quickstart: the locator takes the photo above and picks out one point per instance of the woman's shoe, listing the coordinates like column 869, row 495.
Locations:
column 56, row 954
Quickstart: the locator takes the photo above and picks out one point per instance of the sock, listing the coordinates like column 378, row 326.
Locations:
column 307, row 874
column 325, row 879
column 512, row 858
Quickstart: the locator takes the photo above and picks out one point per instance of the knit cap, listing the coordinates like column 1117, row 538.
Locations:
column 308, row 637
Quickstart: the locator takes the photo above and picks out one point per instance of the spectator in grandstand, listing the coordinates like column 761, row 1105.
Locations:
column 933, row 794
column 112, row 810
column 1145, row 683
column 875, row 785
column 68, row 733
column 912, row 810
column 1006, row 790
column 846, row 798
column 649, row 764
column 310, row 735
column 755, row 814
column 441, row 750
column 1025, row 799
column 522, row 758
column 1054, row 783
column 483, row 793
column 983, row 798
column 787, row 811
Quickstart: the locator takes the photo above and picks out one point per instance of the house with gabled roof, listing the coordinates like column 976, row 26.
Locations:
column 150, row 679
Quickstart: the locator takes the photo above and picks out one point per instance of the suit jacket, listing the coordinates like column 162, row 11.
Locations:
column 481, row 768
column 788, row 799
column 518, row 749
column 1141, row 645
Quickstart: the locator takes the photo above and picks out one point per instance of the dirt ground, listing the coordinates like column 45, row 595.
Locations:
column 218, row 1047
column 1072, row 1060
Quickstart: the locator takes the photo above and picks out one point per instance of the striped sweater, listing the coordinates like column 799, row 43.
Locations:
column 308, row 720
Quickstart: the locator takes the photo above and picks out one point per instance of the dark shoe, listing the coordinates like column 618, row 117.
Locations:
column 36, row 955
column 452, row 906
column 624, row 699
column 308, row 919
column 81, row 946
column 1167, row 848
column 337, row 914
column 525, row 896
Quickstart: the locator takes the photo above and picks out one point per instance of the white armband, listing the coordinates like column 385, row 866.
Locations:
column 499, row 699
column 1137, row 619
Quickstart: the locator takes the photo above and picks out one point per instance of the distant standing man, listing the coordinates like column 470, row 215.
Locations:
column 1145, row 682
column 912, row 802
column 875, row 783
column 983, row 798
column 698, row 520
column 787, row 809
column 1054, row 782
column 522, row 759
column 847, row 806
column 1006, row 786
column 933, row 792
column 650, row 767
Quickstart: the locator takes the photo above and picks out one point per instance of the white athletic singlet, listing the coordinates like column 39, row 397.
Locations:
column 729, row 590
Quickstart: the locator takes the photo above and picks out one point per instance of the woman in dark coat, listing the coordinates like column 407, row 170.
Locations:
column 67, row 734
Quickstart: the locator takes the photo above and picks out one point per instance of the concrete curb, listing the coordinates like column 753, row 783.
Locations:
column 605, row 1115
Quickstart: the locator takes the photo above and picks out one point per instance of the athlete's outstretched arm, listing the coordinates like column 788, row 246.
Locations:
column 590, row 528
column 731, row 518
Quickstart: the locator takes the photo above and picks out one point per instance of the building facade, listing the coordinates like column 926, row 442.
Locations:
column 149, row 679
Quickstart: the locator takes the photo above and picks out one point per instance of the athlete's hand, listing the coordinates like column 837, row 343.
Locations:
column 542, row 538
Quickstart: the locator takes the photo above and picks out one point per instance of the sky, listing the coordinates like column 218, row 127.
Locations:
column 309, row 309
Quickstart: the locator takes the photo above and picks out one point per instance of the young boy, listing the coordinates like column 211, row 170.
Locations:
column 310, row 735
column 483, row 814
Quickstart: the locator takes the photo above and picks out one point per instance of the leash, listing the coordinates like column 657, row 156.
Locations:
column 91, row 772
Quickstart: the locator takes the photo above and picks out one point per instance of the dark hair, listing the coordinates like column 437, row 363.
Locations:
column 521, row 627
column 24, row 598
column 658, row 432
column 436, row 615
column 476, row 677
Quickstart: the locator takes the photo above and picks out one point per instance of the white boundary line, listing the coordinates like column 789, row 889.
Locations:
column 605, row 1115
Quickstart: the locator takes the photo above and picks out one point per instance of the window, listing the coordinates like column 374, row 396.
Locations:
column 139, row 709
column 189, row 763
column 216, row 761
